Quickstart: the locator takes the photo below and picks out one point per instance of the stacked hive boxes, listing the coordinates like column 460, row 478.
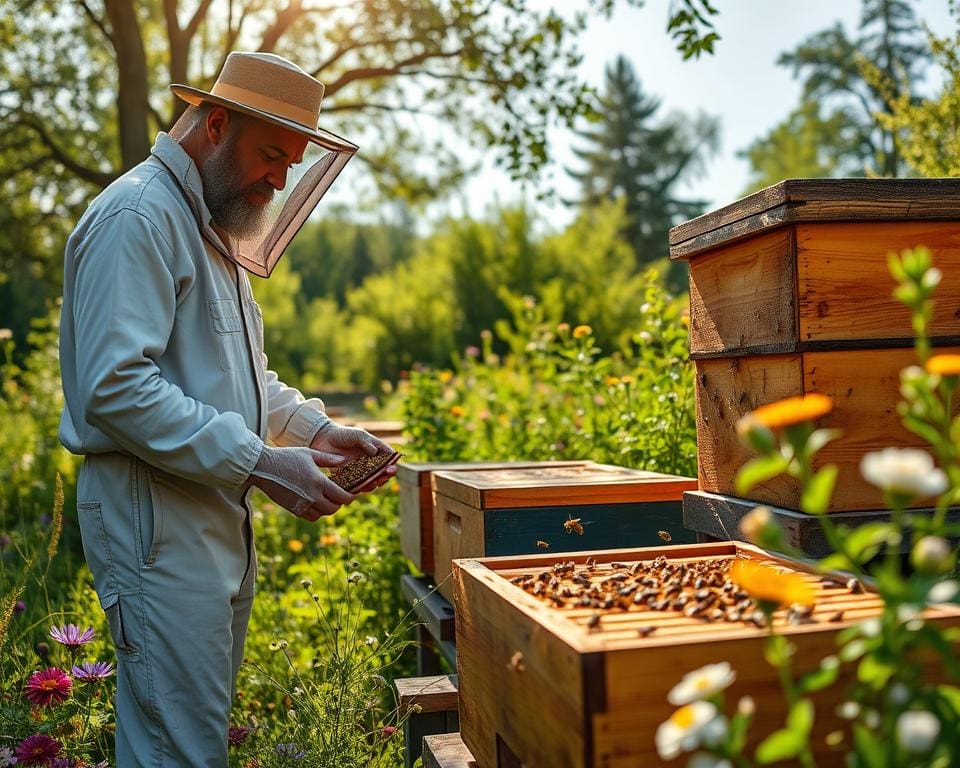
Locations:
column 790, row 293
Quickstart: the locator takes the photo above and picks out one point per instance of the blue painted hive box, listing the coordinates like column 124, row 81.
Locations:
column 488, row 513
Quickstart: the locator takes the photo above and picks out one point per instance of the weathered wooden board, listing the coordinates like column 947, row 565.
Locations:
column 447, row 750
column 864, row 385
column 551, row 688
column 809, row 200
column 845, row 289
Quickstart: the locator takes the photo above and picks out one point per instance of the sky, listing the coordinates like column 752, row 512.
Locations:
column 740, row 83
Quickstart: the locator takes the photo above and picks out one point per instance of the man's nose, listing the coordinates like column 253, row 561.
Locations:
column 277, row 180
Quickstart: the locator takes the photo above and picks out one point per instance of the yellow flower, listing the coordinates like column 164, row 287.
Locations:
column 328, row 539
column 582, row 330
column 945, row 365
column 295, row 545
column 612, row 381
column 446, row 377
column 767, row 584
column 457, row 411
column 627, row 379
column 785, row 413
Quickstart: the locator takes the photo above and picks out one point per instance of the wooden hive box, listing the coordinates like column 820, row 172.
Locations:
column 494, row 512
column 416, row 501
column 540, row 688
column 790, row 293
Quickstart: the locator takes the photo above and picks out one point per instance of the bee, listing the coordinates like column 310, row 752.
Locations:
column 516, row 663
column 665, row 535
column 543, row 544
column 594, row 621
column 573, row 525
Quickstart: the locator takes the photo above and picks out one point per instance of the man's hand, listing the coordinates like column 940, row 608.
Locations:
column 352, row 442
column 291, row 478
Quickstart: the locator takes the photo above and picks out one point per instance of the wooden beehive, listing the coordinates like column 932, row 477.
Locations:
column 790, row 293
column 511, row 511
column 416, row 501
column 541, row 688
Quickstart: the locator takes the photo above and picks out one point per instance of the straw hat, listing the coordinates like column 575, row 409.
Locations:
column 271, row 88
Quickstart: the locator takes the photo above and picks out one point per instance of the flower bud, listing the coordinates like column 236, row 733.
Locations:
column 933, row 555
column 755, row 435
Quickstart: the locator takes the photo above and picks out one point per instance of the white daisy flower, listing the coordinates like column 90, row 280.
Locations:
column 903, row 470
column 917, row 731
column 702, row 683
column 944, row 591
column 685, row 729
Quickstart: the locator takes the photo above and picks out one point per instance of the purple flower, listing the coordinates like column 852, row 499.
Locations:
column 71, row 636
column 48, row 687
column 38, row 749
column 91, row 671
column 45, row 519
column 66, row 762
column 19, row 606
column 237, row 734
column 290, row 750
column 5, row 541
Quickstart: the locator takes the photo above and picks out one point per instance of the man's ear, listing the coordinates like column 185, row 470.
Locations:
column 217, row 124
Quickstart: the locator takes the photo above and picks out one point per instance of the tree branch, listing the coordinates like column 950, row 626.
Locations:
column 91, row 175
column 284, row 19
column 191, row 29
column 368, row 73
column 345, row 49
column 96, row 20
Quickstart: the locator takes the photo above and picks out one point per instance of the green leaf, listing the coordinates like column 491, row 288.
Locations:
column 864, row 541
column 800, row 719
column 780, row 745
column 759, row 470
column 816, row 496
column 835, row 562
column 870, row 749
column 874, row 672
column 820, row 678
column 952, row 696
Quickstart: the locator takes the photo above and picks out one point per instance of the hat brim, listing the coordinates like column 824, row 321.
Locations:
column 323, row 138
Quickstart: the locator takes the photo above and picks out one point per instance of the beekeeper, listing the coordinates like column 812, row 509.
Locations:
column 169, row 398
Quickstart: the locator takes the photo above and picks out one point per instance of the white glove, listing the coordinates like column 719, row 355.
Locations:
column 347, row 441
column 291, row 478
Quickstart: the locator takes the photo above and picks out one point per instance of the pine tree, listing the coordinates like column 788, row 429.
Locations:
column 833, row 69
column 634, row 155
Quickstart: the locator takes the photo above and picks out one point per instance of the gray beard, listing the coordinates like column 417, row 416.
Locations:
column 223, row 193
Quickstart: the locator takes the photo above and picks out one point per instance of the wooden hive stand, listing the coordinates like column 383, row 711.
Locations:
column 430, row 706
column 447, row 751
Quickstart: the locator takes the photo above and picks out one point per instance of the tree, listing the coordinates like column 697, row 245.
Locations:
column 836, row 76
column 632, row 154
column 806, row 145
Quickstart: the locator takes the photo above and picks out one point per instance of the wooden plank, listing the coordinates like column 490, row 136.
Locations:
column 438, row 693
column 865, row 387
column 719, row 516
column 835, row 300
column 447, row 750
column 559, row 486
column 742, row 296
column 430, row 607
column 808, row 200
column 457, row 532
column 726, row 390
column 413, row 521
column 509, row 676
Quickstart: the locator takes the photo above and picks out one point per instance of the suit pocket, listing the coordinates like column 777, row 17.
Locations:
column 96, row 546
column 226, row 323
column 148, row 499
column 112, row 605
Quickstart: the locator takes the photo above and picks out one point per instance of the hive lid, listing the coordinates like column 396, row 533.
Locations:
column 419, row 472
column 559, row 486
column 806, row 200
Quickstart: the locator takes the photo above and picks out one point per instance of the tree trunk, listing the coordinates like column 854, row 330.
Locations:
column 132, row 96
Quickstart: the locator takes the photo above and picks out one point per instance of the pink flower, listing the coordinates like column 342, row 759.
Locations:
column 71, row 636
column 38, row 749
column 237, row 734
column 388, row 730
column 48, row 687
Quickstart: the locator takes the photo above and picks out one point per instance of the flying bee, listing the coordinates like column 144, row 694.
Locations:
column 665, row 535
column 573, row 525
column 543, row 544
column 516, row 663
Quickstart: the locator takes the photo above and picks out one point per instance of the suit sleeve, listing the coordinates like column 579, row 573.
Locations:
column 124, row 312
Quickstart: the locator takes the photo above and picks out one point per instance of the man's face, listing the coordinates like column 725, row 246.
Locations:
column 247, row 165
